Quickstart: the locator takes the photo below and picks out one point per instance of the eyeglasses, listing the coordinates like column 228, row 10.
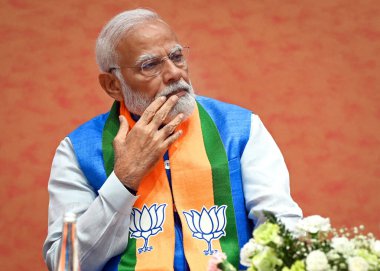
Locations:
column 153, row 66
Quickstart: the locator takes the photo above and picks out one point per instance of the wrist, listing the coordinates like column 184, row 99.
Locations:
column 129, row 182
column 132, row 191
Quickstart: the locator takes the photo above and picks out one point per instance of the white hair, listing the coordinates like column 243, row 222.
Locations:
column 112, row 32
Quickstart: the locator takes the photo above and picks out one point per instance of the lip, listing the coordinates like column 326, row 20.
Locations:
column 179, row 93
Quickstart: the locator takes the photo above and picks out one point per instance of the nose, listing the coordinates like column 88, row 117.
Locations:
column 171, row 73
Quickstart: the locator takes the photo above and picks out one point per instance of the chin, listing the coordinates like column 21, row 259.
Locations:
column 185, row 105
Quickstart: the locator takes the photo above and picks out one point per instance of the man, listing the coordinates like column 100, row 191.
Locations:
column 165, row 179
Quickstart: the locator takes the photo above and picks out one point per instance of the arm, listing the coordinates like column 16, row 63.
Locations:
column 103, row 222
column 266, row 178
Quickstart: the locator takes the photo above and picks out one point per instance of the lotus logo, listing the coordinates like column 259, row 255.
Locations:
column 207, row 225
column 146, row 223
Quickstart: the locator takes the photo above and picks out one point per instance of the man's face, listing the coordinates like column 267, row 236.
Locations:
column 153, row 39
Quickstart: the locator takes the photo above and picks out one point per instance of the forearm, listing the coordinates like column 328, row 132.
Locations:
column 266, row 178
column 103, row 228
column 103, row 222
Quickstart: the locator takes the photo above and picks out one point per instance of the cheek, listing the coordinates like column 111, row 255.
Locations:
column 185, row 75
column 153, row 85
column 149, row 88
column 143, row 85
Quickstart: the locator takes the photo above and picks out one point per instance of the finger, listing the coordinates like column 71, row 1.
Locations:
column 169, row 128
column 163, row 112
column 151, row 110
column 171, row 139
column 123, row 129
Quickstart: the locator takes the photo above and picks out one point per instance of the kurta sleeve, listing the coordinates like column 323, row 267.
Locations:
column 266, row 178
column 103, row 217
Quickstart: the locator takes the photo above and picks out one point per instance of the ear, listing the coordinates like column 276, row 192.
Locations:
column 111, row 85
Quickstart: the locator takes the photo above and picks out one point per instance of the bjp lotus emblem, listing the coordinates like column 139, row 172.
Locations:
column 207, row 225
column 147, row 222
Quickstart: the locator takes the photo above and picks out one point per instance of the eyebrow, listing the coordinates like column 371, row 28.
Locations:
column 145, row 57
column 175, row 48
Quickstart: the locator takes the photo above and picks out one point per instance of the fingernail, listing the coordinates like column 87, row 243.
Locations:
column 120, row 117
column 163, row 98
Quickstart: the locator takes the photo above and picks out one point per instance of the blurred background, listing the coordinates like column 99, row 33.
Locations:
column 309, row 69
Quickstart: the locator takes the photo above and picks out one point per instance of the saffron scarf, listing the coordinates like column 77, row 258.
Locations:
column 201, row 191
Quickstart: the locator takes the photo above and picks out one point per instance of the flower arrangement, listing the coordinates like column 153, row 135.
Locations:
column 313, row 246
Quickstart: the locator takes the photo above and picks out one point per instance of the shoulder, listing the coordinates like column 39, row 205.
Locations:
column 233, row 123
column 225, row 114
column 93, row 126
column 87, row 144
column 222, row 107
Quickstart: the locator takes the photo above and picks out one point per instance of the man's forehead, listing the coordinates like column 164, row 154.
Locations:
column 147, row 37
column 148, row 56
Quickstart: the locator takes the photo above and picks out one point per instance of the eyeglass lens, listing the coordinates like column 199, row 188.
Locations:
column 154, row 66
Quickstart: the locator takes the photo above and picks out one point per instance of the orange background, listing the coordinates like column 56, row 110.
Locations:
column 310, row 69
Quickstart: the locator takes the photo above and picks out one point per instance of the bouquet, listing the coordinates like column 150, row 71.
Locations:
column 313, row 246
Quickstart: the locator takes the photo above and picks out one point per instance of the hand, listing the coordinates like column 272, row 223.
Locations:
column 138, row 150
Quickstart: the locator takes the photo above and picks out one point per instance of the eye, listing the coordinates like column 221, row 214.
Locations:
column 177, row 57
column 150, row 65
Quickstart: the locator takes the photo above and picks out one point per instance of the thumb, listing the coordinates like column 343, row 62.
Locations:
column 124, row 127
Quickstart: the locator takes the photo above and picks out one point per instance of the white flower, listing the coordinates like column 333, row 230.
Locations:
column 317, row 261
column 357, row 264
column 361, row 241
column 333, row 255
column 313, row 224
column 375, row 247
column 342, row 245
column 248, row 251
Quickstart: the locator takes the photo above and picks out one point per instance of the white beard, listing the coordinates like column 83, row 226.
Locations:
column 137, row 102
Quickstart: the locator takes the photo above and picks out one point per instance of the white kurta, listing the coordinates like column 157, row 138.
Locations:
column 103, row 222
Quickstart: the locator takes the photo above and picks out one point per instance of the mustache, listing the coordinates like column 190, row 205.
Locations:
column 175, row 87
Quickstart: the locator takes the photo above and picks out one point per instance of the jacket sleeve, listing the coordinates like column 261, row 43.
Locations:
column 266, row 178
column 103, row 218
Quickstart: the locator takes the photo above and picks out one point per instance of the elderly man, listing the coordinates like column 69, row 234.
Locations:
column 166, row 178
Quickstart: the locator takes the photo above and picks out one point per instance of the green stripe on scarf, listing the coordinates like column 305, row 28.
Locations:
column 221, row 182
column 111, row 127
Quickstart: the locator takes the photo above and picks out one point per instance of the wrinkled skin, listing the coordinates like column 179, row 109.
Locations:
column 139, row 149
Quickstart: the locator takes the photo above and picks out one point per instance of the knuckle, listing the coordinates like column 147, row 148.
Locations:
column 149, row 131
column 155, row 139
column 162, row 146
column 173, row 138
column 117, row 138
column 142, row 130
column 179, row 120
column 137, row 128
column 116, row 142
column 170, row 127
column 152, row 113
column 160, row 116
column 149, row 113
column 176, row 136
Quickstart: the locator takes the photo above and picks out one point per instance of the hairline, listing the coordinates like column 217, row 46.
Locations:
column 114, row 30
